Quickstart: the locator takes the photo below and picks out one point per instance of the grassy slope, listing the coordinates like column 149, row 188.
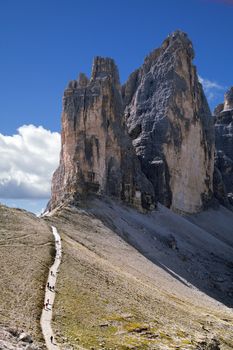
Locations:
column 110, row 296
column 26, row 248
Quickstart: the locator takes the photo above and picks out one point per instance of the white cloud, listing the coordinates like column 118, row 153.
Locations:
column 27, row 162
column 212, row 89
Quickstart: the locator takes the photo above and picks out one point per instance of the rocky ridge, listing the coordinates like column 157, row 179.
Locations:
column 171, row 126
column 163, row 108
column 97, row 155
column 224, row 150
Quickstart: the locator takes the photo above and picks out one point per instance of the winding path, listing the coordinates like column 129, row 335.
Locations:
column 46, row 316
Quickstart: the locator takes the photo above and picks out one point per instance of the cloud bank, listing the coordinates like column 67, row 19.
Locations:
column 212, row 89
column 27, row 162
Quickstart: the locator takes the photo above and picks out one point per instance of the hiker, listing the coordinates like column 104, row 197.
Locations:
column 51, row 273
column 46, row 305
column 48, row 301
column 51, row 338
column 48, row 285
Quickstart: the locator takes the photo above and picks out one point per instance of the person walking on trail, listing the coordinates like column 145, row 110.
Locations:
column 48, row 301
column 51, row 339
column 48, row 285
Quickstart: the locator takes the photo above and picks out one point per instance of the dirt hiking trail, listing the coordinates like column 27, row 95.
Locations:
column 46, row 316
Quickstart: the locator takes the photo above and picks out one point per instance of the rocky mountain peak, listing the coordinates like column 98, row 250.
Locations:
column 176, row 43
column 224, row 149
column 82, row 80
column 104, row 67
column 97, row 155
column 164, row 110
column 170, row 123
column 222, row 109
column 228, row 99
column 178, row 40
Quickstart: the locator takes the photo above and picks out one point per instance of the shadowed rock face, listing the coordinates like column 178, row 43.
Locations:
column 224, row 149
column 163, row 108
column 97, row 154
column 170, row 123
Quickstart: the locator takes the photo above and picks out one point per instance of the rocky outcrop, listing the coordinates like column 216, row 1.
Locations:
column 163, row 108
column 224, row 149
column 170, row 123
column 97, row 155
column 11, row 339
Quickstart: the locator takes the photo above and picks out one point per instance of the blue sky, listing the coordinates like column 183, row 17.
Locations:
column 46, row 43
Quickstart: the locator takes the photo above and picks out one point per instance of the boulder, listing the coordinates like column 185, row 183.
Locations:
column 24, row 337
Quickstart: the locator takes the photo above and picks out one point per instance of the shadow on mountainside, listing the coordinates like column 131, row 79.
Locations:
column 197, row 251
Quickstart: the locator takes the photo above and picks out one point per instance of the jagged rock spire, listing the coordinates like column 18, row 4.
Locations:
column 168, row 119
column 97, row 155
column 170, row 123
column 224, row 150
column 228, row 99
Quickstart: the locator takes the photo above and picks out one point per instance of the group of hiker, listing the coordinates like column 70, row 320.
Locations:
column 51, row 288
column 48, row 305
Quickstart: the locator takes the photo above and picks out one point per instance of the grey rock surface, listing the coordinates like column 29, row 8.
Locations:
column 224, row 148
column 169, row 156
column 171, row 126
column 11, row 339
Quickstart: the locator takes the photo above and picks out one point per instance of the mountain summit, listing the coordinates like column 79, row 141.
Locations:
column 162, row 107
column 170, row 123
column 97, row 155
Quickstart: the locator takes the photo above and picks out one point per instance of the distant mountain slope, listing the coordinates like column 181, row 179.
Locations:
column 142, row 281
column 26, row 248
column 224, row 149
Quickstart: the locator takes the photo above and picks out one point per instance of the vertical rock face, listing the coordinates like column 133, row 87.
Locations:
column 224, row 149
column 170, row 123
column 163, row 108
column 97, row 154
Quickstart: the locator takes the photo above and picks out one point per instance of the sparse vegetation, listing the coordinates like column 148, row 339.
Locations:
column 104, row 303
column 104, row 298
column 26, row 244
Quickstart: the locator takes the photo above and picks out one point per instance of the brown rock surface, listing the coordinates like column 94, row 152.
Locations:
column 169, row 122
column 97, row 155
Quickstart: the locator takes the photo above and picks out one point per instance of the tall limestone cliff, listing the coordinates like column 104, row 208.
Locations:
column 224, row 149
column 170, row 123
column 97, row 154
column 163, row 108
